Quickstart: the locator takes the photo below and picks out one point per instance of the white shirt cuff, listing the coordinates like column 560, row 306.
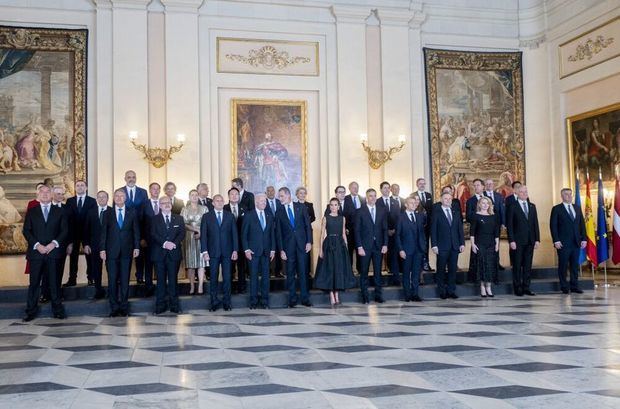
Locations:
column 35, row 245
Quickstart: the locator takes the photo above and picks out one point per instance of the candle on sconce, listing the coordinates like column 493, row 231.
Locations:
column 402, row 138
column 364, row 137
column 133, row 135
column 181, row 137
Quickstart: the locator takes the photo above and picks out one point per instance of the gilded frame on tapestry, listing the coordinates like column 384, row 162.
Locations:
column 475, row 119
column 269, row 143
column 42, row 119
column 591, row 146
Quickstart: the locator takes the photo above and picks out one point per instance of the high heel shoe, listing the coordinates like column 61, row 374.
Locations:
column 488, row 291
column 483, row 292
column 191, row 291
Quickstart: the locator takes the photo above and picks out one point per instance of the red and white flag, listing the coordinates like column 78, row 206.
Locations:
column 616, row 237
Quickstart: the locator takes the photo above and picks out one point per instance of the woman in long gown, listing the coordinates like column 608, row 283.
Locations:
column 192, row 214
column 333, row 270
column 484, row 232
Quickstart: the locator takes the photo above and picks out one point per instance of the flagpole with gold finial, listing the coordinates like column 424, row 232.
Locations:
column 600, row 177
column 591, row 263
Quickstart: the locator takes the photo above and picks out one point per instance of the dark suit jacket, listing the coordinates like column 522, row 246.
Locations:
column 77, row 218
column 278, row 205
column 348, row 202
column 455, row 205
column 563, row 228
column 247, row 200
column 428, row 203
column 206, row 202
column 145, row 224
column 371, row 235
column 92, row 229
column 219, row 241
column 410, row 236
column 520, row 229
column 120, row 242
column 350, row 210
column 498, row 206
column 394, row 212
column 177, row 206
column 310, row 209
column 36, row 230
column 140, row 197
column 446, row 236
column 253, row 237
column 161, row 234
column 401, row 201
column 290, row 238
column 240, row 214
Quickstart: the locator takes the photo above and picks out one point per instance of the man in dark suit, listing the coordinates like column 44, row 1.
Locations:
column 411, row 244
column 352, row 201
column 203, row 196
column 92, row 240
column 150, row 209
column 77, row 207
column 426, row 200
column 170, row 190
column 512, row 199
column 395, row 190
column 447, row 242
column 294, row 240
column 219, row 246
column 120, row 242
column 340, row 193
column 273, row 204
column 46, row 230
column 258, row 241
column 167, row 234
column 568, row 232
column 246, row 199
column 524, row 238
column 371, row 242
column 135, row 197
column 455, row 205
column 239, row 267
column 392, row 208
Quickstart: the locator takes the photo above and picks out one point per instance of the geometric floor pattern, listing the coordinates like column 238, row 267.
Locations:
column 549, row 351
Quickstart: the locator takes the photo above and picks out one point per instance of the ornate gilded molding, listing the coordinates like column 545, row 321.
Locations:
column 590, row 48
column 268, row 57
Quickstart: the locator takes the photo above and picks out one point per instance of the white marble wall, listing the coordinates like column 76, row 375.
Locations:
column 152, row 70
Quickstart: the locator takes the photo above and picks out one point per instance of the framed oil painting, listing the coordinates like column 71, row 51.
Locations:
column 475, row 116
column 594, row 144
column 269, row 143
column 42, row 119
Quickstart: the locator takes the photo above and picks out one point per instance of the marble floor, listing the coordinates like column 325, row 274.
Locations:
column 548, row 351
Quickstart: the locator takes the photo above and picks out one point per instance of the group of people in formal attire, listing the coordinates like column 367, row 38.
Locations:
column 253, row 234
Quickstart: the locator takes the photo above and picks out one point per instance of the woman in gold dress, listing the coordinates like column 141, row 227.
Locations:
column 192, row 214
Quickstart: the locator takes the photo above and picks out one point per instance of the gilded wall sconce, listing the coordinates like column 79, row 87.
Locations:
column 157, row 157
column 377, row 158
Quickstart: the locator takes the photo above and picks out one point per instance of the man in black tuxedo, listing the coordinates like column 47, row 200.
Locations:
column 239, row 267
column 203, row 196
column 568, row 231
column 258, row 241
column 170, row 190
column 135, row 196
column 219, row 245
column 46, row 230
column 167, row 234
column 92, row 240
column 411, row 244
column 447, row 242
column 392, row 208
column 78, row 207
column 426, row 200
column 353, row 201
column 273, row 204
column 120, row 242
column 246, row 199
column 150, row 209
column 371, row 242
column 524, row 238
column 294, row 240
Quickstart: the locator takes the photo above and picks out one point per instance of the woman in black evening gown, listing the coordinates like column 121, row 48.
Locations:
column 333, row 270
column 484, row 233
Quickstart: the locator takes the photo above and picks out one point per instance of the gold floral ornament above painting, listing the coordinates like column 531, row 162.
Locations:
column 273, row 57
column 590, row 48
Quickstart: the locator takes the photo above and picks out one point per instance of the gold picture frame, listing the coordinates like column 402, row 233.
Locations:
column 475, row 116
column 583, row 139
column 42, row 118
column 269, row 139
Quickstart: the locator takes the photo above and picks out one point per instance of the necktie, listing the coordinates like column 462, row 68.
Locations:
column 490, row 196
column 219, row 218
column 571, row 212
column 167, row 221
column 422, row 197
column 273, row 206
column 203, row 202
column 101, row 215
column 342, row 206
column 262, row 220
column 387, row 204
column 80, row 205
column 525, row 209
column 291, row 216
column 411, row 217
column 155, row 207
column 46, row 212
column 131, row 195
column 355, row 202
column 449, row 216
column 372, row 214
column 235, row 212
column 119, row 220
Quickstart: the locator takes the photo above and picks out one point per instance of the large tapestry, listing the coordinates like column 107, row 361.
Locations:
column 475, row 115
column 42, row 119
column 269, row 143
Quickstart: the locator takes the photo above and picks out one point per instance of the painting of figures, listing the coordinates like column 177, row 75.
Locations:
column 269, row 143
column 42, row 119
column 475, row 113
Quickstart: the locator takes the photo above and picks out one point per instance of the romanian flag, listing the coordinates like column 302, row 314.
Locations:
column 602, row 247
column 590, row 231
column 616, row 233
column 582, row 252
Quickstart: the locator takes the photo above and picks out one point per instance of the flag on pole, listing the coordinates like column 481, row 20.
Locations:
column 602, row 247
column 616, row 232
column 582, row 252
column 590, row 232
